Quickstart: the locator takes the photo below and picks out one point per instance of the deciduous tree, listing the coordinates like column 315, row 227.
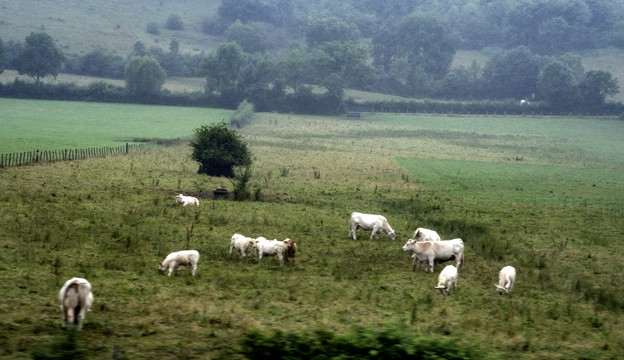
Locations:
column 558, row 87
column 596, row 86
column 144, row 76
column 39, row 57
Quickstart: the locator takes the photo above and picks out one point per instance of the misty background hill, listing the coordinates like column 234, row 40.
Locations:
column 478, row 29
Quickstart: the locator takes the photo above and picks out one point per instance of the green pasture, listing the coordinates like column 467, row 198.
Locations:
column 29, row 125
column 535, row 193
column 540, row 185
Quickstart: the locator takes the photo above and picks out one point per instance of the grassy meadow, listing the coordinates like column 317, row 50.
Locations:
column 55, row 125
column 542, row 194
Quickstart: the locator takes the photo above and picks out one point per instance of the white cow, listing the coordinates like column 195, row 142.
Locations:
column 183, row 257
column 242, row 244
column 187, row 200
column 266, row 247
column 447, row 277
column 430, row 251
column 376, row 223
column 506, row 279
column 422, row 234
column 76, row 299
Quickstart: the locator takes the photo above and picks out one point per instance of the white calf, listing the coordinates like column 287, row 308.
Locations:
column 187, row 200
column 183, row 257
column 376, row 223
column 447, row 277
column 266, row 247
column 76, row 299
column 506, row 279
column 242, row 244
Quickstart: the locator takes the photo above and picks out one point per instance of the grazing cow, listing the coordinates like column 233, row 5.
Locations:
column 266, row 247
column 422, row 234
column 183, row 257
column 447, row 277
column 187, row 200
column 430, row 251
column 242, row 244
column 506, row 279
column 525, row 102
column 290, row 250
column 376, row 223
column 76, row 299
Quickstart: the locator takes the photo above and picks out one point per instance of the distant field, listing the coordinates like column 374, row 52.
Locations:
column 80, row 26
column 29, row 125
column 539, row 185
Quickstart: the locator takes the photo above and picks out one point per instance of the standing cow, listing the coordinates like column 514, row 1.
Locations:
column 376, row 223
column 430, row 251
column 422, row 234
column 76, row 299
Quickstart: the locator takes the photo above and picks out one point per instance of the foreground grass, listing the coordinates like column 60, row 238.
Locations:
column 112, row 220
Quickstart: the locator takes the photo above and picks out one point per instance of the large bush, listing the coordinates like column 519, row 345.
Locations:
column 219, row 150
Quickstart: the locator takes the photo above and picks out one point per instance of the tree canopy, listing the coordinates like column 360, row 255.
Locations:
column 144, row 76
column 39, row 57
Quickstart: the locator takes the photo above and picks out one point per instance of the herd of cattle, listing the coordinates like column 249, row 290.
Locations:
column 426, row 247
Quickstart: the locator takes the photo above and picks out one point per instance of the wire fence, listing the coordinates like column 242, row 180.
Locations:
column 50, row 156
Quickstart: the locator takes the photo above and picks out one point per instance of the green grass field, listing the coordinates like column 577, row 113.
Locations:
column 541, row 194
column 54, row 125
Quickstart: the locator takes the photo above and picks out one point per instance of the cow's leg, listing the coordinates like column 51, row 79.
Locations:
column 352, row 229
column 69, row 315
column 80, row 317
column 431, row 262
column 374, row 233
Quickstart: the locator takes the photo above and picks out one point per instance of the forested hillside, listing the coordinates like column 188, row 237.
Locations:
column 397, row 47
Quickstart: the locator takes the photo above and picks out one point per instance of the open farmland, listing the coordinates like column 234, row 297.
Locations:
column 545, row 195
column 29, row 125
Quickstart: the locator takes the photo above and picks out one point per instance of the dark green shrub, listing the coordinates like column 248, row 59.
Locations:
column 219, row 150
column 362, row 344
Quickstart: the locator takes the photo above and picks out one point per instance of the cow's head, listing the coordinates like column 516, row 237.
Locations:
column 442, row 290
column 391, row 234
column 409, row 245
column 501, row 290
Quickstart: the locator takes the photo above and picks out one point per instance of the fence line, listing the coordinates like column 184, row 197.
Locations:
column 50, row 156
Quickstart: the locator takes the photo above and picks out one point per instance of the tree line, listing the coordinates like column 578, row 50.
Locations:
column 403, row 49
